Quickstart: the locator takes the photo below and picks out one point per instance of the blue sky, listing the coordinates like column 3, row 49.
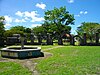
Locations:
column 30, row 13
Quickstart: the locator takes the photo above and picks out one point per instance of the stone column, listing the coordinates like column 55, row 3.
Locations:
column 1, row 41
column 32, row 38
column 22, row 42
column 39, row 39
column 72, row 40
column 60, row 42
column 97, row 38
column 25, row 39
column 81, row 41
column 84, row 39
column 49, row 39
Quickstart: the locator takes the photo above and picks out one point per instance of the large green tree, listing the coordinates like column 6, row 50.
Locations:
column 90, row 28
column 59, row 19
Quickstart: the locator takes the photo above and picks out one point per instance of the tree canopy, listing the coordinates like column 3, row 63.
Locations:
column 2, row 28
column 21, row 28
column 38, row 29
column 58, row 18
column 90, row 28
column 17, row 30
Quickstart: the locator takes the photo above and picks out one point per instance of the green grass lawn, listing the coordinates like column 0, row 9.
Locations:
column 71, row 60
column 66, row 60
column 11, row 68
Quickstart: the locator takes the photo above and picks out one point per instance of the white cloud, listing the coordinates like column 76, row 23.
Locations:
column 8, row 19
column 26, row 18
column 85, row 12
column 7, row 25
column 34, row 25
column 32, row 16
column 18, row 13
column 17, row 20
column 26, row 13
column 81, row 12
column 77, row 15
column 37, row 19
column 70, row 1
column 23, row 20
column 41, row 5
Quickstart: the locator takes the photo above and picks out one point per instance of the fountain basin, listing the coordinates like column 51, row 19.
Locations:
column 17, row 52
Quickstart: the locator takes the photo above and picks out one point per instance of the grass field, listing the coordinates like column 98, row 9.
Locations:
column 11, row 68
column 65, row 60
column 71, row 60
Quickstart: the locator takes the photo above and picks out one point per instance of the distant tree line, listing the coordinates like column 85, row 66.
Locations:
column 90, row 28
column 17, row 30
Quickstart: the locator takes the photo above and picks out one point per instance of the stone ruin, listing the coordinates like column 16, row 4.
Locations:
column 15, row 39
column 1, row 41
column 83, row 40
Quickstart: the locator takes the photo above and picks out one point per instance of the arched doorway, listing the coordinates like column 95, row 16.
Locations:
column 77, row 40
column 66, row 39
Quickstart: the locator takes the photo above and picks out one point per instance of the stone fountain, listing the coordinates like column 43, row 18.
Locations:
column 22, row 51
